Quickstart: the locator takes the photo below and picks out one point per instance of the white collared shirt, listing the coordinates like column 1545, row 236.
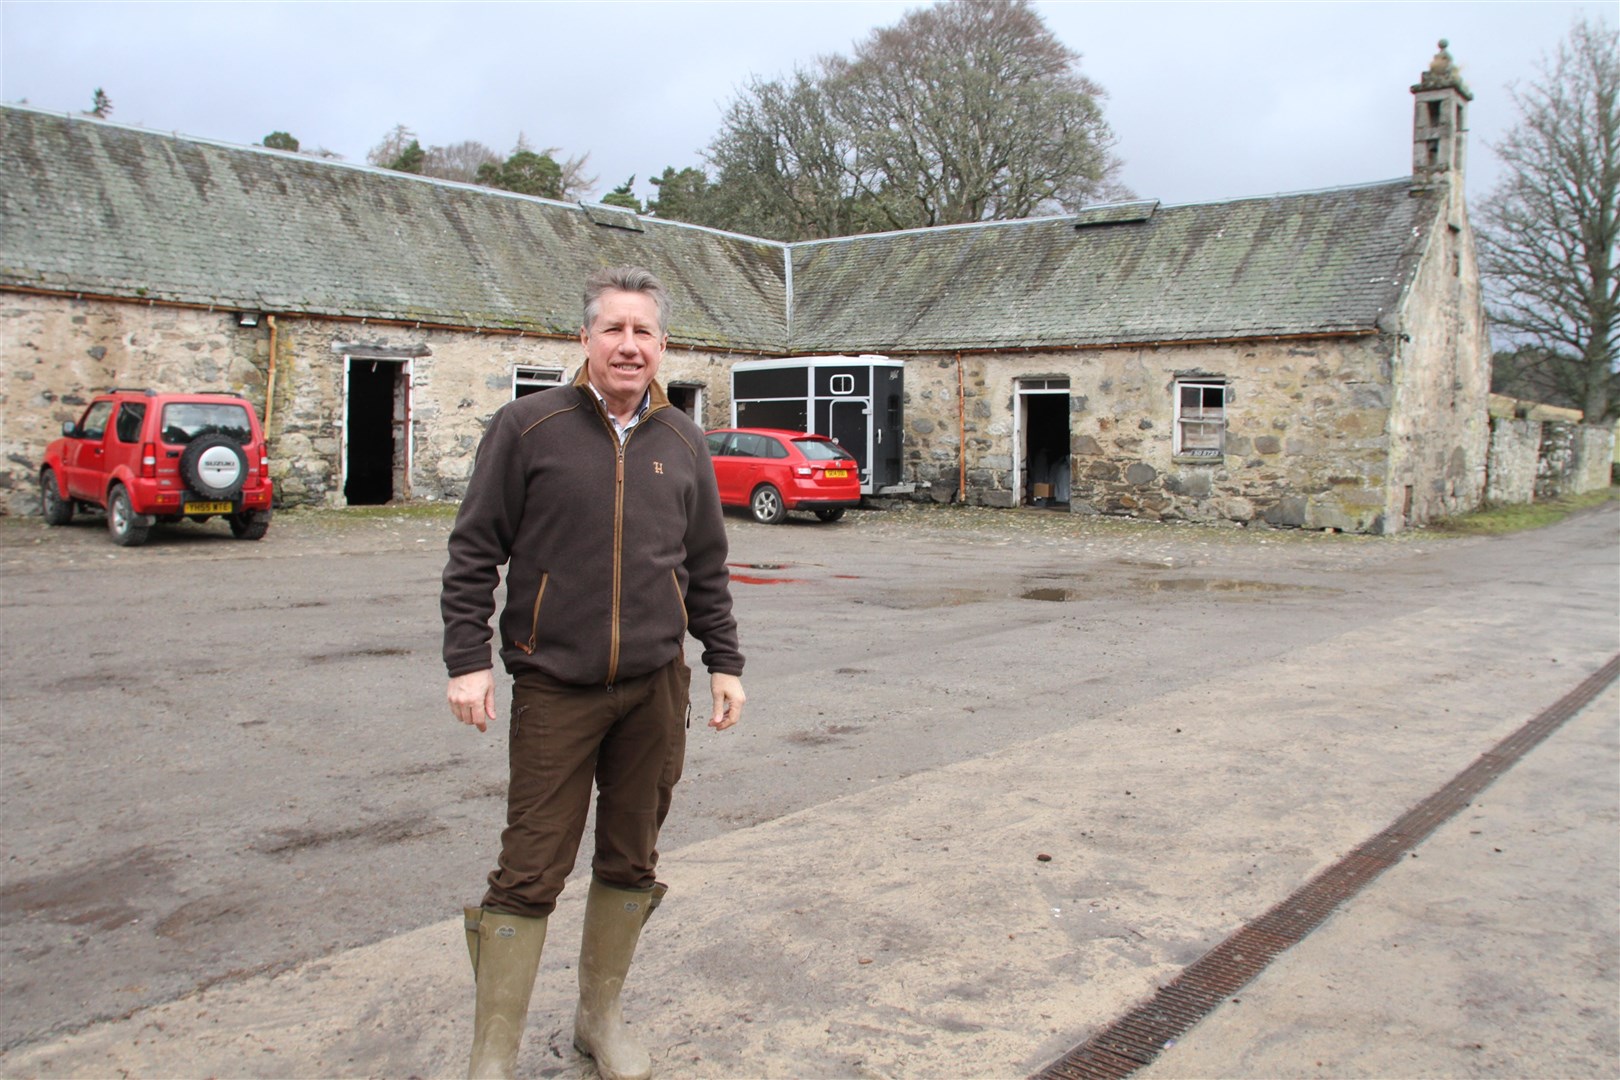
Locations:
column 622, row 430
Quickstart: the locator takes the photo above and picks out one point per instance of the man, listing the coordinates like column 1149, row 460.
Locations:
column 601, row 501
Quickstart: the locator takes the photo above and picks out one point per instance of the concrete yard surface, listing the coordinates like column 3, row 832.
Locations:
column 1000, row 777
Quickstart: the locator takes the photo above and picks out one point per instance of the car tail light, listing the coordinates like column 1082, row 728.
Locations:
column 803, row 470
column 149, row 461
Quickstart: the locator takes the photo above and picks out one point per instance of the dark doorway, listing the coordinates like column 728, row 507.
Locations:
column 375, row 432
column 1046, row 449
column 685, row 397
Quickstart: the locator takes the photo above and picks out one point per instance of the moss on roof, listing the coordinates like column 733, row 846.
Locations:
column 95, row 207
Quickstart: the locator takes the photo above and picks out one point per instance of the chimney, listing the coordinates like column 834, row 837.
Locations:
column 1439, row 131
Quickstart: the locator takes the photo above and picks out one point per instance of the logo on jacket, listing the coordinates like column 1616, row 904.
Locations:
column 658, row 467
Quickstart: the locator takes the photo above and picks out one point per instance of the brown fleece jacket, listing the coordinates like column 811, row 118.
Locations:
column 613, row 554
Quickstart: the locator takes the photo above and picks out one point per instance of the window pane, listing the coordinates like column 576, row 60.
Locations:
column 717, row 443
column 820, row 449
column 94, row 424
column 1200, row 435
column 184, row 421
column 130, row 415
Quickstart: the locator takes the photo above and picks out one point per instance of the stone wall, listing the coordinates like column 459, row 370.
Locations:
column 1594, row 458
column 57, row 353
column 1515, row 451
column 1305, row 439
column 1573, row 459
column 1439, row 425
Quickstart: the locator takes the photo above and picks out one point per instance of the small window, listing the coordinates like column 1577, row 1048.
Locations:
column 1200, row 419
column 130, row 415
column 842, row 384
column 531, row 380
column 717, row 444
column 1434, row 114
column 94, row 424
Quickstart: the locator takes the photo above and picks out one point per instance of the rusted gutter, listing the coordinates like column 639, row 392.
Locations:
column 961, row 436
column 270, row 378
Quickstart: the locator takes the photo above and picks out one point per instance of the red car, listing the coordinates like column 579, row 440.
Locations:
column 147, row 457
column 772, row 472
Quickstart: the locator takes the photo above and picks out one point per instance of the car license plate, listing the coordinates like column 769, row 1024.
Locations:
column 209, row 508
column 836, row 474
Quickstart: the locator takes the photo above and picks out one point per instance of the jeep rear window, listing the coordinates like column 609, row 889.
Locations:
column 184, row 421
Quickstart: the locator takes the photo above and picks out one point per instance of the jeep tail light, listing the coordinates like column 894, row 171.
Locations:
column 149, row 461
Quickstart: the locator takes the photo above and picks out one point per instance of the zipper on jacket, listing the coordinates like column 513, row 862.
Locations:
column 534, row 623
column 618, row 522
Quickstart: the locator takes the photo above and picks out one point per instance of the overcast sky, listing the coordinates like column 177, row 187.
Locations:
column 1207, row 100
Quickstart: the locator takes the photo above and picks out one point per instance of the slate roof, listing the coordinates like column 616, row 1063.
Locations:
column 110, row 210
column 1321, row 262
column 94, row 207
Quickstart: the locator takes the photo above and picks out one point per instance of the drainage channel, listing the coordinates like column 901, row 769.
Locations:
column 1138, row 1037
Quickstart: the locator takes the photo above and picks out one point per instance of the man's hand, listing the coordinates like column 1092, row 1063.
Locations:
column 472, row 698
column 728, row 700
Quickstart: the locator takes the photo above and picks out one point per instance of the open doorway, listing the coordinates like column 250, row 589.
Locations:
column 687, row 397
column 376, row 431
column 1043, row 442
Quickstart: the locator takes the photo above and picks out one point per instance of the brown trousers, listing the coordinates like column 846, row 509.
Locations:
column 630, row 740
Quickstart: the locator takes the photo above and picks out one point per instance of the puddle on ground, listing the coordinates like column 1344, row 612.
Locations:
column 1058, row 595
column 1234, row 585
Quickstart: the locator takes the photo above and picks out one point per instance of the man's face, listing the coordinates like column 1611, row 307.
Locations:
column 623, row 347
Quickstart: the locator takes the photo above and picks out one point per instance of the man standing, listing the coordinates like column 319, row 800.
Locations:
column 600, row 500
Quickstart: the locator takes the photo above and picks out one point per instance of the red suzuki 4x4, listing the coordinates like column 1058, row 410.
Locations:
column 148, row 457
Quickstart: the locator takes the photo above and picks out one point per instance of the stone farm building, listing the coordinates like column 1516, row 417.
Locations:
column 1317, row 359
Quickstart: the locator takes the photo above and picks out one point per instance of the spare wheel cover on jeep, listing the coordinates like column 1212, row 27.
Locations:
column 214, row 466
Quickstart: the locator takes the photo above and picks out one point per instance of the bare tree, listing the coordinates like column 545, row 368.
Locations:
column 459, row 161
column 970, row 110
column 393, row 145
column 1548, row 232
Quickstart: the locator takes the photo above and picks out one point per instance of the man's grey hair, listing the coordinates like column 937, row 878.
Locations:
column 625, row 279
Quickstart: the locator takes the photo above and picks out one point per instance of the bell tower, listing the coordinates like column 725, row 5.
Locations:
column 1439, row 133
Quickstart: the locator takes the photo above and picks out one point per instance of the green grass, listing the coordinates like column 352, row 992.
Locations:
column 1518, row 517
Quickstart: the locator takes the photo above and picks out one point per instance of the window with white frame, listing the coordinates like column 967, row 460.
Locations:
column 1200, row 419
column 530, row 380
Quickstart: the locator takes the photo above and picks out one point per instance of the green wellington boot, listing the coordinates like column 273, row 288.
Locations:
column 613, row 922
column 505, row 953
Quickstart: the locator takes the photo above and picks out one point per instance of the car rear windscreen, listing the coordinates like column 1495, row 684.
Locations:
column 821, row 449
column 184, row 421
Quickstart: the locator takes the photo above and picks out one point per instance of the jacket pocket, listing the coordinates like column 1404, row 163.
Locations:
column 534, row 621
column 680, row 601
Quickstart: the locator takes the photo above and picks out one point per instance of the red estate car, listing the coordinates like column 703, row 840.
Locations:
column 772, row 472
column 148, row 457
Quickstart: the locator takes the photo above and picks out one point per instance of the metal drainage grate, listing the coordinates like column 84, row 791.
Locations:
column 1139, row 1036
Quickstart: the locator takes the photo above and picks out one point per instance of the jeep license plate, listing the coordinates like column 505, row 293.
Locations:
column 209, row 508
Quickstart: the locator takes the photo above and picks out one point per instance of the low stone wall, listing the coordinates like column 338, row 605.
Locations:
column 1533, row 460
column 1511, row 468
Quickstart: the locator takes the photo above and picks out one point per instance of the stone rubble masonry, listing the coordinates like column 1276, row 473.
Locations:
column 58, row 354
